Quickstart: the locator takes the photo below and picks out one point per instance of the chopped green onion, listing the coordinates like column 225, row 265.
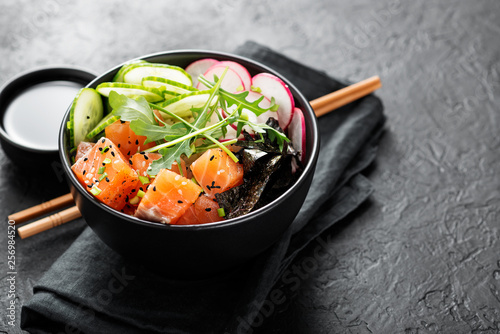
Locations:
column 141, row 194
column 102, row 176
column 255, row 89
column 95, row 191
column 105, row 149
column 144, row 179
column 101, row 170
column 106, row 161
column 135, row 200
column 221, row 212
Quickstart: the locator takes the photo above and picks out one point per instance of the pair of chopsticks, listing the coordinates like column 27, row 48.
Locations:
column 321, row 106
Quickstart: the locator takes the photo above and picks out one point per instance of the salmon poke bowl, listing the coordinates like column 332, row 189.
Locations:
column 189, row 162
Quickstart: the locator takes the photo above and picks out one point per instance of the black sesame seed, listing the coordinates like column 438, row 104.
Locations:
column 122, row 121
column 208, row 209
column 107, row 179
column 112, row 153
column 106, row 149
column 180, row 202
column 119, row 145
column 137, row 141
column 88, row 117
column 90, row 185
column 208, row 187
column 212, row 157
column 130, row 161
column 100, row 148
column 146, row 157
column 133, row 191
column 85, row 159
column 103, row 140
column 103, row 164
column 84, row 171
column 128, row 153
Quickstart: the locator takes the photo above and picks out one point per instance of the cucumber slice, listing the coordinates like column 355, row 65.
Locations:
column 86, row 111
column 182, row 104
column 119, row 75
column 170, row 85
column 136, row 72
column 107, row 120
column 130, row 90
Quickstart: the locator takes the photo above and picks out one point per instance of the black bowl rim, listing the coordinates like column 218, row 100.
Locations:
column 308, row 168
column 48, row 72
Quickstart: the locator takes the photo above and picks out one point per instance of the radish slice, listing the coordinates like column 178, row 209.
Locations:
column 242, row 72
column 297, row 133
column 198, row 67
column 231, row 82
column 272, row 86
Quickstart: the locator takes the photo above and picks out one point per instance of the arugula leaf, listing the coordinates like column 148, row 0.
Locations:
column 169, row 156
column 155, row 132
column 129, row 109
column 240, row 100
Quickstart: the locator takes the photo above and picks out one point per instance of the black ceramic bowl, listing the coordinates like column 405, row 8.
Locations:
column 196, row 250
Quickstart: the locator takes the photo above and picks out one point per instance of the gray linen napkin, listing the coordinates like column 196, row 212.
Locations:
column 91, row 289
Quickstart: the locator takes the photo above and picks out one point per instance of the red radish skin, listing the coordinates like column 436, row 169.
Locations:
column 272, row 86
column 199, row 67
column 232, row 81
column 242, row 72
column 297, row 133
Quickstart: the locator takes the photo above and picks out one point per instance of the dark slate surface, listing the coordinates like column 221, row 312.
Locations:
column 423, row 256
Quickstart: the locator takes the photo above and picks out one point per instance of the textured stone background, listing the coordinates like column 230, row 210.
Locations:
column 424, row 255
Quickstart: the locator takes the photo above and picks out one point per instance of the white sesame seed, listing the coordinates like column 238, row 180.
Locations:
column 179, row 191
column 177, row 177
column 184, row 183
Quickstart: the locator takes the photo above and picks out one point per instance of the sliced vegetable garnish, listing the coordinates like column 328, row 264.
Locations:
column 144, row 179
column 107, row 120
column 86, row 111
column 130, row 90
column 167, row 84
column 220, row 212
column 136, row 72
column 182, row 104
column 119, row 75
column 95, row 191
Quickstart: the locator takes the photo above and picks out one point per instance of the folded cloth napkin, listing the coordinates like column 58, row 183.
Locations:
column 91, row 289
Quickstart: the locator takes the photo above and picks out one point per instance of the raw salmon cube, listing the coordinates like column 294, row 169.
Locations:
column 106, row 174
column 203, row 211
column 216, row 172
column 126, row 140
column 167, row 198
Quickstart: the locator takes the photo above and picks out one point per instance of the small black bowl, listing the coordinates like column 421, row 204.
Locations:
column 195, row 251
column 25, row 153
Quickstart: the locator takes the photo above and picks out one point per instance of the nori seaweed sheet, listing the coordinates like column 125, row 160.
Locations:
column 268, row 174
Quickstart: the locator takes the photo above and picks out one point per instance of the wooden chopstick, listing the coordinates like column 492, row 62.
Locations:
column 322, row 106
column 49, row 222
column 327, row 103
column 41, row 209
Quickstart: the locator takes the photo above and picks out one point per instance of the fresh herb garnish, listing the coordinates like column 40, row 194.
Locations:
column 183, row 137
